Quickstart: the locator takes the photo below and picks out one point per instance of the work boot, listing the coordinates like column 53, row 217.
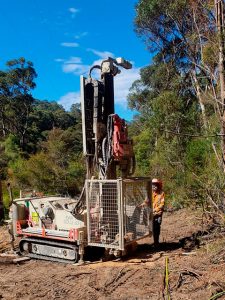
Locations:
column 156, row 245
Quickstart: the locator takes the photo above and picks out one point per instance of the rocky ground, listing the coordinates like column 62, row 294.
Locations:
column 196, row 266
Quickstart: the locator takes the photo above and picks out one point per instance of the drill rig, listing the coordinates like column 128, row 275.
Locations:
column 105, row 138
column 107, row 214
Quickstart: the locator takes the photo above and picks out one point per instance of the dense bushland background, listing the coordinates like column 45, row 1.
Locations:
column 177, row 129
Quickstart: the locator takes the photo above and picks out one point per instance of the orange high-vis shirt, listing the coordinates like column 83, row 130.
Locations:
column 158, row 201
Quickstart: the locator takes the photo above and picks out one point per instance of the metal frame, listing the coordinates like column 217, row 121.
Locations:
column 116, row 209
column 134, row 222
column 82, row 82
column 135, row 191
column 122, row 214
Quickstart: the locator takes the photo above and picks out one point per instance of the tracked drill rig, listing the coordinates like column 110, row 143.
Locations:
column 107, row 212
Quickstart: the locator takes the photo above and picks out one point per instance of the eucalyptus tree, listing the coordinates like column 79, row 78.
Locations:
column 178, row 97
column 16, row 100
column 184, row 33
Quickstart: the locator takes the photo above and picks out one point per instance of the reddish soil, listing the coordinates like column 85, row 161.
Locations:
column 194, row 272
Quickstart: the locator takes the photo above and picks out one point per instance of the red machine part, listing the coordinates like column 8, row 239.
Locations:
column 122, row 146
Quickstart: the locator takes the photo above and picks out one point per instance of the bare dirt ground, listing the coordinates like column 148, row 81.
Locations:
column 195, row 272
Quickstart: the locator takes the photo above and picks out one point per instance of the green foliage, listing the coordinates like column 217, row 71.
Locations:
column 40, row 142
column 197, row 154
column 142, row 150
column 15, row 98
column 55, row 169
column 176, row 131
column 11, row 148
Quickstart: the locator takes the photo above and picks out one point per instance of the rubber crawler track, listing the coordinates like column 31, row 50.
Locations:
column 49, row 243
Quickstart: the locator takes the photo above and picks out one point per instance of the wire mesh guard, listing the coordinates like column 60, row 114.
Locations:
column 138, row 219
column 103, row 212
column 114, row 213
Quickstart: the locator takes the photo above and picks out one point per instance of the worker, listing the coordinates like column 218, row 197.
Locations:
column 158, row 203
column 158, row 208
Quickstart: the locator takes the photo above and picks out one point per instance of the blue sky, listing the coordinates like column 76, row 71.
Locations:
column 63, row 38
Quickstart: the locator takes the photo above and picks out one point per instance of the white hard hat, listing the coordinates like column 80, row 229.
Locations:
column 157, row 181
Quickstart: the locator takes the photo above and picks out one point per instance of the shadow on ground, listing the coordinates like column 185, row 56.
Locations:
column 189, row 243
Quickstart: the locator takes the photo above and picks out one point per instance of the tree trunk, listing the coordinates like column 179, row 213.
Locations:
column 3, row 125
column 200, row 99
column 219, row 7
column 1, row 203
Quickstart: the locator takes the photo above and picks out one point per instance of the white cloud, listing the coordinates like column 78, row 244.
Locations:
column 122, row 84
column 70, row 98
column 73, row 10
column 74, row 60
column 74, row 65
column 77, row 69
column 59, row 59
column 101, row 54
column 80, row 35
column 71, row 45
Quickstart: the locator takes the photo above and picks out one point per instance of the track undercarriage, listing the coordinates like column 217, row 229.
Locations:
column 49, row 250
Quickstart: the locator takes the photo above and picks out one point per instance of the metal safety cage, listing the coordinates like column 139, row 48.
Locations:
column 114, row 215
column 104, row 213
column 137, row 218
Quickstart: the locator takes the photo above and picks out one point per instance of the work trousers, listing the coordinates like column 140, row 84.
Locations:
column 157, row 220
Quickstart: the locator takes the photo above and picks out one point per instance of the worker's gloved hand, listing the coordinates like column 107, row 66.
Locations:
column 158, row 219
column 144, row 204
